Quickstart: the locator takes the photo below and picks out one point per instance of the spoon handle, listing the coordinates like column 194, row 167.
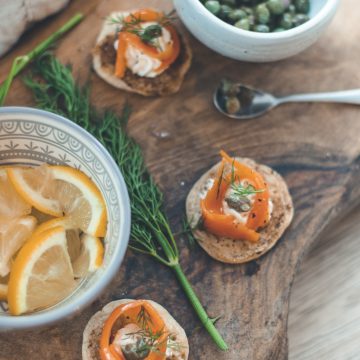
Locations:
column 347, row 96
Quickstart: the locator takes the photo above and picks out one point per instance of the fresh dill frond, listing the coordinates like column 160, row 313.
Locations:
column 240, row 191
column 188, row 229
column 151, row 234
column 148, row 339
column 143, row 318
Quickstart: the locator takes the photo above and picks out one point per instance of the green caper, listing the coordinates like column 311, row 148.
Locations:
column 300, row 19
column 292, row 9
column 213, row 6
column 286, row 21
column 248, row 10
column 232, row 105
column 275, row 15
column 261, row 28
column 302, row 6
column 229, row 88
column 276, row 7
column 237, row 14
column 225, row 10
column 262, row 14
column 243, row 24
column 240, row 204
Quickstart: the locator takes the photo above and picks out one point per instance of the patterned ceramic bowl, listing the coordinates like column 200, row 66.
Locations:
column 32, row 137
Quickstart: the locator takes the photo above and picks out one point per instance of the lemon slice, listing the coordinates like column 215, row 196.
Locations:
column 72, row 234
column 3, row 292
column 64, row 222
column 3, row 288
column 59, row 190
column 91, row 256
column 34, row 186
column 41, row 274
column 11, row 203
column 13, row 234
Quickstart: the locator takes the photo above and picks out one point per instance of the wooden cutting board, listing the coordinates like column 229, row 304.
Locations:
column 316, row 147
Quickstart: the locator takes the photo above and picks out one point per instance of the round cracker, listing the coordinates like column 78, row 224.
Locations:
column 93, row 329
column 240, row 251
column 107, row 71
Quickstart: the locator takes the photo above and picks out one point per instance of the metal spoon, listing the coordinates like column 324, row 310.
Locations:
column 253, row 102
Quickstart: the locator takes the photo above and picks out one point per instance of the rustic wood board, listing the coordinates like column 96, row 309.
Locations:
column 315, row 147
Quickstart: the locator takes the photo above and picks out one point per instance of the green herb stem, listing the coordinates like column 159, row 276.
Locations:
column 150, row 230
column 21, row 61
column 199, row 309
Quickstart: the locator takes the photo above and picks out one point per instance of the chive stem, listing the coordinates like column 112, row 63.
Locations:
column 21, row 61
column 199, row 309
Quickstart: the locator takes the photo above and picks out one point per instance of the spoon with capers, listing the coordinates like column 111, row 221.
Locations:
column 238, row 101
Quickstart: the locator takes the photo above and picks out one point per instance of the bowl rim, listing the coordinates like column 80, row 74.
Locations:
column 87, row 296
column 329, row 6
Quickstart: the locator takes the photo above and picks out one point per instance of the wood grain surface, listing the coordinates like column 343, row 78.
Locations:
column 324, row 304
column 316, row 147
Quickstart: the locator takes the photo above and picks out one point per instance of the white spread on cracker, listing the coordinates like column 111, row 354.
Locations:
column 240, row 217
column 173, row 350
column 208, row 185
column 142, row 64
column 127, row 337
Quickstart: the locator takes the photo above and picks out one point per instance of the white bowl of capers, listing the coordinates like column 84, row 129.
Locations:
column 257, row 30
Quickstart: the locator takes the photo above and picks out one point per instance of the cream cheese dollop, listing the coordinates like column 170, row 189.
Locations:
column 240, row 217
column 141, row 64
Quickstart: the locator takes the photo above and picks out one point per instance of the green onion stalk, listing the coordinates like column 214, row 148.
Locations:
column 21, row 61
column 150, row 229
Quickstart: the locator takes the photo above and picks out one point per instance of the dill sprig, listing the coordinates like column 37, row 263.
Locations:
column 188, row 229
column 243, row 191
column 239, row 191
column 149, row 340
column 150, row 231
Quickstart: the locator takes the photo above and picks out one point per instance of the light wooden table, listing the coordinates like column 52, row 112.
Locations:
column 324, row 307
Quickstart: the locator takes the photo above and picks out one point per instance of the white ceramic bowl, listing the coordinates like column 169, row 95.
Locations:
column 251, row 46
column 32, row 137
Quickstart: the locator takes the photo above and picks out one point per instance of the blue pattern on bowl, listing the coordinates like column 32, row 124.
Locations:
column 32, row 137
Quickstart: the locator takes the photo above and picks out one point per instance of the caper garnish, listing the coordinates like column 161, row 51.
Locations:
column 243, row 24
column 300, row 19
column 213, row 6
column 276, row 7
column 240, row 204
column 302, row 6
column 292, row 9
column 229, row 88
column 261, row 15
column 225, row 10
column 286, row 21
column 237, row 14
column 261, row 28
column 232, row 105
